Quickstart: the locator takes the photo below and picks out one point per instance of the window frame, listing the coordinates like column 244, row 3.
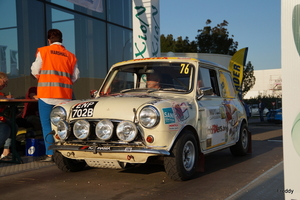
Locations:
column 212, row 81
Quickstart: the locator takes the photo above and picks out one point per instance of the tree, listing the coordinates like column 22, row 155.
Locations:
column 167, row 44
column 268, row 99
column 185, row 46
column 248, row 78
column 180, row 45
column 216, row 39
column 210, row 40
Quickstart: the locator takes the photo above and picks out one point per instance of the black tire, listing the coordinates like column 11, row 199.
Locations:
column 181, row 164
column 67, row 164
column 242, row 146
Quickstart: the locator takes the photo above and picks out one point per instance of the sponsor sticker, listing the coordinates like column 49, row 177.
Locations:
column 181, row 111
column 168, row 115
column 128, row 149
column 173, row 127
column 100, row 148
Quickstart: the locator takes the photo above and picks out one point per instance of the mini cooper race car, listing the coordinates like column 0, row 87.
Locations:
column 165, row 109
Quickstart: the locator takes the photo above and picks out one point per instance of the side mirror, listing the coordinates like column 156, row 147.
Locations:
column 93, row 93
column 205, row 91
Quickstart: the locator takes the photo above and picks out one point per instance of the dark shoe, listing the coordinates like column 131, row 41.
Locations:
column 47, row 159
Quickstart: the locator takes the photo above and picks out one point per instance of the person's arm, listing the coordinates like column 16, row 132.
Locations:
column 33, row 96
column 9, row 96
column 76, row 73
column 36, row 66
column 2, row 96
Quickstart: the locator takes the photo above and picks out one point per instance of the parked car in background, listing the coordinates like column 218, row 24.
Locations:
column 255, row 111
column 275, row 116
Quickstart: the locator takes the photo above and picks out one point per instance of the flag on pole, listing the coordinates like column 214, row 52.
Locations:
column 146, row 28
column 95, row 5
column 236, row 66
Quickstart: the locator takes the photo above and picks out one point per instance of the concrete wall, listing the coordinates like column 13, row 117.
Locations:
column 268, row 82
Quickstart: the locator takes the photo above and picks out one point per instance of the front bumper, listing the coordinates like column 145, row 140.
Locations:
column 106, row 149
column 108, row 157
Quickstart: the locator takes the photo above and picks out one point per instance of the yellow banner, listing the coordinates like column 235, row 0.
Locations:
column 236, row 66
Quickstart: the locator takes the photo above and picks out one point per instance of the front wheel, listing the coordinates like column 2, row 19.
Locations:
column 67, row 164
column 243, row 144
column 181, row 164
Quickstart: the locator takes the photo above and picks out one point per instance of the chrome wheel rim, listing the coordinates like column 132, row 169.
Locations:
column 188, row 155
column 244, row 138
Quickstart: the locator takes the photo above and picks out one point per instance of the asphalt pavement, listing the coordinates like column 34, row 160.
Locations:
column 261, row 187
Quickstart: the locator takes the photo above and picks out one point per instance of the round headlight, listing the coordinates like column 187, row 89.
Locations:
column 104, row 129
column 62, row 130
column 126, row 131
column 149, row 117
column 57, row 114
column 81, row 129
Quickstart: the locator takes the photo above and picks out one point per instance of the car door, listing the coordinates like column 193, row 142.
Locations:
column 233, row 107
column 213, row 121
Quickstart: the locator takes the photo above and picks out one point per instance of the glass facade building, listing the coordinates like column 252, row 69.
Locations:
column 97, row 39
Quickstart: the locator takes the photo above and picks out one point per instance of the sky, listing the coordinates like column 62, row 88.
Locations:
column 255, row 24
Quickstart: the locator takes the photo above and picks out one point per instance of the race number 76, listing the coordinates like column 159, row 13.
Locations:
column 185, row 69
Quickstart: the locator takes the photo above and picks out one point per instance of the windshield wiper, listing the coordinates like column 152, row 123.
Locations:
column 131, row 89
column 127, row 90
column 173, row 89
column 149, row 90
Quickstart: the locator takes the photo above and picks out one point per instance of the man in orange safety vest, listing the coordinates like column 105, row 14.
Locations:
column 56, row 70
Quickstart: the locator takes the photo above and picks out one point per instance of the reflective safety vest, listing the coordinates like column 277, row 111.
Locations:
column 55, row 78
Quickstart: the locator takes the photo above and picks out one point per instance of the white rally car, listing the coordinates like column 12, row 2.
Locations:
column 193, row 112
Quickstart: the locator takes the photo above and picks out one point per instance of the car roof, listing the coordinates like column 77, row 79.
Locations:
column 189, row 59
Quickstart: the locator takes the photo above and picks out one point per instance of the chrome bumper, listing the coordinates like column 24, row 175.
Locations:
column 96, row 149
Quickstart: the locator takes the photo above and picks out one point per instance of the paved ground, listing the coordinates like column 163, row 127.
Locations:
column 260, row 188
column 30, row 163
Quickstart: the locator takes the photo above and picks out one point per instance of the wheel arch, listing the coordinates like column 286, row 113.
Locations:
column 183, row 161
column 192, row 130
column 243, row 121
column 238, row 148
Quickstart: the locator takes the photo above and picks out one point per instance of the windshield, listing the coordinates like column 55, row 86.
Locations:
column 150, row 77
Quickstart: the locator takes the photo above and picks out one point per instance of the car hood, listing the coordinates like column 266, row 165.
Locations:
column 119, row 107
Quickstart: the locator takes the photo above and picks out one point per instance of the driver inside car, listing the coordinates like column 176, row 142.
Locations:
column 153, row 81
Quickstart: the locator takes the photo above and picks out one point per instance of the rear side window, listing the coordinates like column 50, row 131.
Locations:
column 227, row 88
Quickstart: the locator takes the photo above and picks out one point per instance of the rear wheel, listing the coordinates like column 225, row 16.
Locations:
column 67, row 164
column 242, row 146
column 181, row 164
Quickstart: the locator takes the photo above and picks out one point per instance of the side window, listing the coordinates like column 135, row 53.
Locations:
column 203, row 78
column 227, row 89
column 214, row 82
column 208, row 78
